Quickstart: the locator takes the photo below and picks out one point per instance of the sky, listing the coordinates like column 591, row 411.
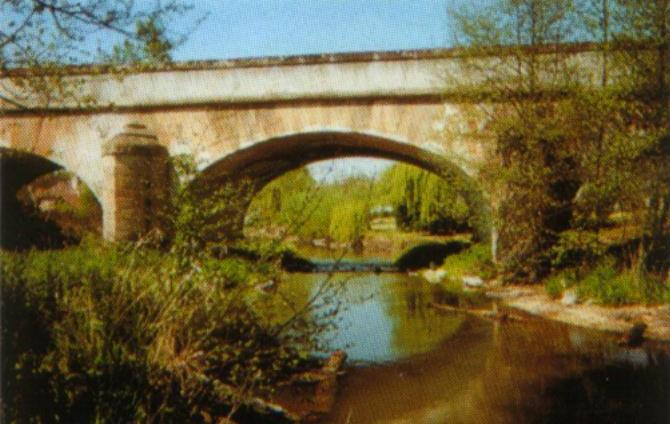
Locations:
column 252, row 28
column 249, row 28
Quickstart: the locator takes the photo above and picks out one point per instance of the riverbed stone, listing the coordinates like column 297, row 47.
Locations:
column 472, row 281
column 570, row 297
column 434, row 276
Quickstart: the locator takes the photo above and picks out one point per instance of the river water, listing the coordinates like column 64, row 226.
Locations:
column 409, row 363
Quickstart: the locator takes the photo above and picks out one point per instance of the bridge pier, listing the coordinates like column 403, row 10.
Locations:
column 136, row 184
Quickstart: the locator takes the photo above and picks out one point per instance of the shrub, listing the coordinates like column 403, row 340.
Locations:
column 476, row 260
column 557, row 283
column 554, row 286
column 605, row 285
column 576, row 248
column 609, row 284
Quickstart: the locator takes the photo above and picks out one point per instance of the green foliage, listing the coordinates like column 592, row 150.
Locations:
column 292, row 203
column 149, row 46
column 44, row 37
column 202, row 219
column 349, row 221
column 554, row 286
column 422, row 200
column 607, row 282
column 569, row 152
column 340, row 210
column 105, row 334
column 299, row 206
column 576, row 249
column 475, row 260
column 532, row 168
column 558, row 282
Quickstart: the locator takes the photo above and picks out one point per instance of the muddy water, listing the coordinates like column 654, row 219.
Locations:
column 412, row 364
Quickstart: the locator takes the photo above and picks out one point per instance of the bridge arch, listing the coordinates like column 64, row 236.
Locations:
column 19, row 228
column 263, row 161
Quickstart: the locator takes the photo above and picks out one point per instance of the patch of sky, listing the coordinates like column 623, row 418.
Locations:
column 331, row 171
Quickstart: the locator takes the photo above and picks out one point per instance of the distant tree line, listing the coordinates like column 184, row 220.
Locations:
column 342, row 210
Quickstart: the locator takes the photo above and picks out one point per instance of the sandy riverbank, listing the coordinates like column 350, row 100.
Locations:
column 533, row 300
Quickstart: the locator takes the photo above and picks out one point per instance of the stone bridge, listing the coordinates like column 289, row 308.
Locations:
column 256, row 118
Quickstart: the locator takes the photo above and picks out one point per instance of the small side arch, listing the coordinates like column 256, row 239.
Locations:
column 21, row 228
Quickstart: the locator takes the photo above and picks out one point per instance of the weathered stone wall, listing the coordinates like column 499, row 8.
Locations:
column 455, row 130
column 216, row 111
column 136, row 184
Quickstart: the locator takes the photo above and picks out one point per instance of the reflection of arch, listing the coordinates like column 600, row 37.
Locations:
column 20, row 229
column 267, row 160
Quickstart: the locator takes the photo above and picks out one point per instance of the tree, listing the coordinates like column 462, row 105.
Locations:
column 574, row 143
column 643, row 29
column 423, row 201
column 515, row 49
column 40, row 38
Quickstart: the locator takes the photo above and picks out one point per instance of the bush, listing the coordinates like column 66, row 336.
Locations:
column 577, row 248
column 554, row 286
column 98, row 333
column 609, row 284
column 427, row 254
column 557, row 283
column 476, row 260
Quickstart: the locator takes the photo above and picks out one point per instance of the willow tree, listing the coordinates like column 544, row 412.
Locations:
column 423, row 200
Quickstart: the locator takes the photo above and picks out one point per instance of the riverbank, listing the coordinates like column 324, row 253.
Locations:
column 617, row 319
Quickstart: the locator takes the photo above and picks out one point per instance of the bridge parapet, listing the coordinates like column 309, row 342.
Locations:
column 410, row 74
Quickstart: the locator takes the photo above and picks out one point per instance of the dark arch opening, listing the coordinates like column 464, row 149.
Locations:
column 29, row 208
column 267, row 160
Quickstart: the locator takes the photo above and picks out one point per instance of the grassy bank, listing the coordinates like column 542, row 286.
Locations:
column 607, row 281
column 475, row 261
column 109, row 334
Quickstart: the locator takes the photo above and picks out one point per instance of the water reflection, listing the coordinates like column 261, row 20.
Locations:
column 428, row 367
column 386, row 317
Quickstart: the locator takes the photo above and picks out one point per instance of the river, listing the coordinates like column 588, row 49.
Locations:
column 409, row 363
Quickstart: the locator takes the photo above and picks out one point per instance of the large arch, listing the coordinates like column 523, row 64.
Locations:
column 19, row 228
column 266, row 160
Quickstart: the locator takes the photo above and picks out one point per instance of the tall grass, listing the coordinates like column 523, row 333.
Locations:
column 610, row 283
column 106, row 334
